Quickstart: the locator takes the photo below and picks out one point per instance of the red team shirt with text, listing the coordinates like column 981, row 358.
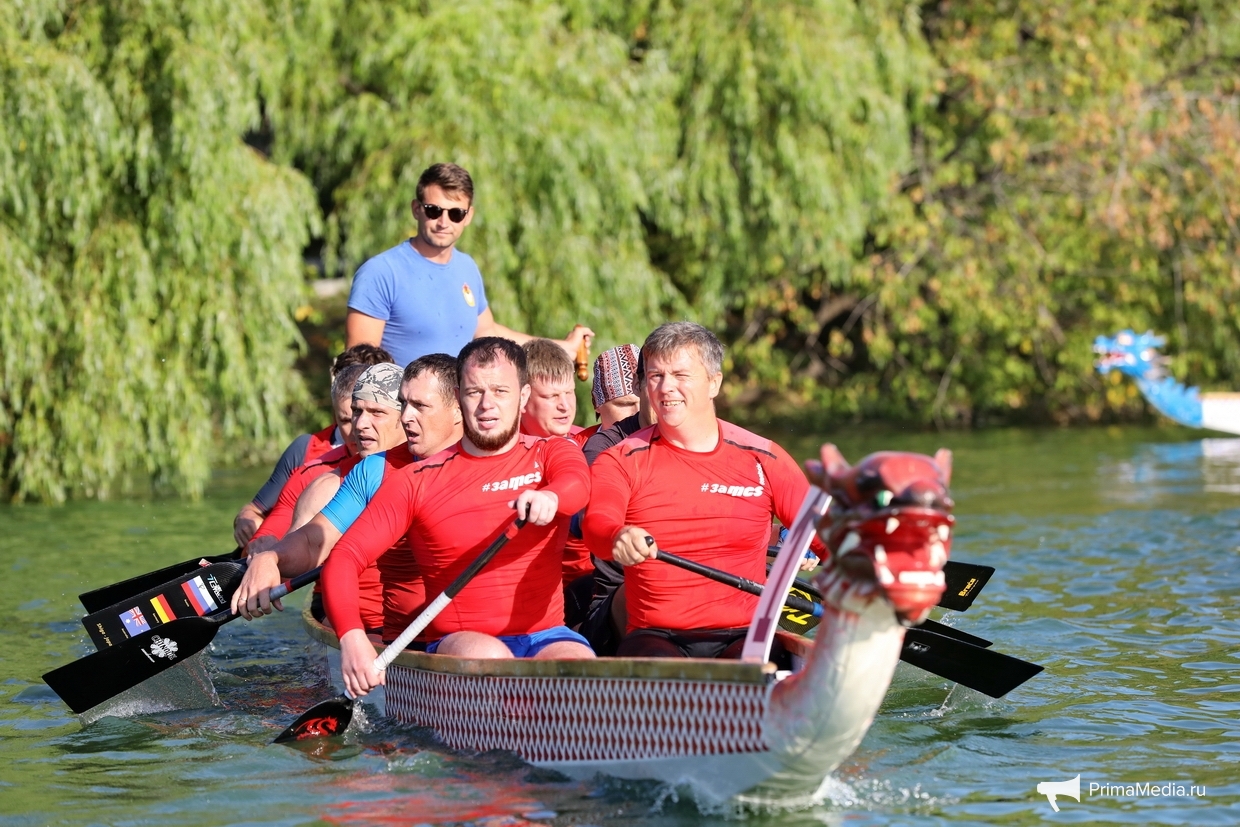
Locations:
column 450, row 507
column 714, row 508
column 280, row 520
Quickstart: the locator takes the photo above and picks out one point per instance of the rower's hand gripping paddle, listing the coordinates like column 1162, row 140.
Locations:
column 333, row 717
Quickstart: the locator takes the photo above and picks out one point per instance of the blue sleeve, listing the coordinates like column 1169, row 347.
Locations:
column 372, row 290
column 356, row 491
column 294, row 455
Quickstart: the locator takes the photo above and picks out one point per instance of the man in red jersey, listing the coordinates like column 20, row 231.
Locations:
column 430, row 419
column 454, row 504
column 376, row 428
column 552, row 405
column 700, row 487
column 307, row 447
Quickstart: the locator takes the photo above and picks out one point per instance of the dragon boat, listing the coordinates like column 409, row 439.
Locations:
column 728, row 729
column 1138, row 356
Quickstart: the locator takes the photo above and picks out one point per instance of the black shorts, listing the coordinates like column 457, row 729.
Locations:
column 597, row 627
column 687, row 643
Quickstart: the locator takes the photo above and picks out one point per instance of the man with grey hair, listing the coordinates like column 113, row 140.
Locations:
column 377, row 428
column 697, row 486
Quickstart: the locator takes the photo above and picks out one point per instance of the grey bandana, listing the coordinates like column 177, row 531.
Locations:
column 379, row 383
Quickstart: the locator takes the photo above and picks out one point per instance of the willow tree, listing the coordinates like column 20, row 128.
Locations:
column 786, row 132
column 150, row 260
column 543, row 111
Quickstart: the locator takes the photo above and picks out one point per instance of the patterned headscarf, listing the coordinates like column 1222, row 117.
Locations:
column 615, row 372
column 379, row 383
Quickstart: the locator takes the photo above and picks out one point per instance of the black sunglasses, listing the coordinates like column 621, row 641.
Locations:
column 455, row 214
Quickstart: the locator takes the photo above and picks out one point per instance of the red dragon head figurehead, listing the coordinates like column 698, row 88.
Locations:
column 888, row 530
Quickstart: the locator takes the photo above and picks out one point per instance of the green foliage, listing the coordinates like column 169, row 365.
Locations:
column 150, row 258
column 1075, row 173
column 920, row 212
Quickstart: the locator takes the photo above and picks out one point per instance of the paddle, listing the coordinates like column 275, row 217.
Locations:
column 332, row 717
column 89, row 681
column 965, row 582
column 991, row 673
column 803, row 610
column 200, row 592
column 106, row 596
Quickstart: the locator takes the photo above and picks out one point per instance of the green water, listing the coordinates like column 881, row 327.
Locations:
column 1116, row 554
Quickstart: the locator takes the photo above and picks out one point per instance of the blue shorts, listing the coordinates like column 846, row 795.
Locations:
column 527, row 646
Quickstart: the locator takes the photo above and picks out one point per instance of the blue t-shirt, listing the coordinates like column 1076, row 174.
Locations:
column 428, row 307
column 356, row 491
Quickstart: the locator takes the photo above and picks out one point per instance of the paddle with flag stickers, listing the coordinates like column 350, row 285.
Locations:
column 105, row 596
column 332, row 717
column 200, row 592
column 938, row 649
column 89, row 681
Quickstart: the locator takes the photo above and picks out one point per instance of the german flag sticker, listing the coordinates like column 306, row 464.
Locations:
column 468, row 294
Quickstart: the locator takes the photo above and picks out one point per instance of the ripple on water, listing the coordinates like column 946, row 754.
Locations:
column 1116, row 569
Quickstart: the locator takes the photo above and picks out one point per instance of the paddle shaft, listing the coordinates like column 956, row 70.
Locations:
column 963, row 581
column 440, row 603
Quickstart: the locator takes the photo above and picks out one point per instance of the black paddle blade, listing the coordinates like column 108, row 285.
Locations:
column 322, row 721
column 965, row 582
column 200, row 592
column 949, row 631
column 105, row 596
column 799, row 623
column 991, row 673
column 89, row 681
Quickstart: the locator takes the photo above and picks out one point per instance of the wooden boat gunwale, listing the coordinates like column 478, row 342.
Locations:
column 694, row 669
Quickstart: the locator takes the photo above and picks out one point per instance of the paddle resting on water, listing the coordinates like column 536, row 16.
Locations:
column 940, row 652
column 333, row 717
column 89, row 681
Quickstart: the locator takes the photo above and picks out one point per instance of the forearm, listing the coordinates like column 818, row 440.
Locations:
column 497, row 329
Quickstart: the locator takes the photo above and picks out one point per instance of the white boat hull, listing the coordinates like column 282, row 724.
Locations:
column 724, row 729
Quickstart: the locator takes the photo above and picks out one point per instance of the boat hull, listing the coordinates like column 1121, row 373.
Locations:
column 724, row 729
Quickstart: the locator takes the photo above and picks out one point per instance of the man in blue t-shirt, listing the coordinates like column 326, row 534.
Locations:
column 423, row 295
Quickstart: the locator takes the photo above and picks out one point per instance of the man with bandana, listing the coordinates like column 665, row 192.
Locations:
column 454, row 504
column 431, row 418
column 308, row 447
column 376, row 429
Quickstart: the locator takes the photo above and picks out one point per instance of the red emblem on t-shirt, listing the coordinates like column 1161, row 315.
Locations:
column 468, row 294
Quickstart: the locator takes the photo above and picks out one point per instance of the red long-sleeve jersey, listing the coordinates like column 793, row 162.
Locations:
column 714, row 508
column 277, row 523
column 450, row 507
